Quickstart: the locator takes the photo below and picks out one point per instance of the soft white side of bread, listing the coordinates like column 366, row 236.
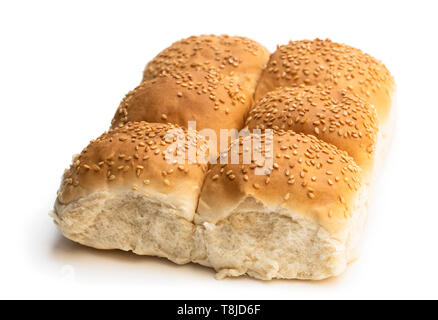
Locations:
column 264, row 243
column 129, row 221
column 267, row 243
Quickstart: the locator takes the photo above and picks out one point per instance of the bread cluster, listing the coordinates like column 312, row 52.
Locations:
column 287, row 199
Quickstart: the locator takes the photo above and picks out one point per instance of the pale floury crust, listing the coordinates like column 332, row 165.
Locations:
column 312, row 62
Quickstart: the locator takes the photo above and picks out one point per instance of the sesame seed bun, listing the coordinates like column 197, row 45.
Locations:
column 326, row 62
column 295, row 213
column 122, row 193
column 238, row 56
column 314, row 189
column 211, row 99
column 348, row 123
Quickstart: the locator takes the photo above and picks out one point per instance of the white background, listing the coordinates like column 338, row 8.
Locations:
column 64, row 67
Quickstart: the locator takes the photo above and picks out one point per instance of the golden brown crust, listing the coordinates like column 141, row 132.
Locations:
column 230, row 55
column 133, row 157
column 326, row 62
column 208, row 97
column 348, row 123
column 309, row 176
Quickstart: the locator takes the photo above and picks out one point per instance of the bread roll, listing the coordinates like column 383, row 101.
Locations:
column 348, row 123
column 237, row 56
column 326, row 62
column 211, row 99
column 290, row 205
column 179, row 97
column 121, row 192
column 302, row 220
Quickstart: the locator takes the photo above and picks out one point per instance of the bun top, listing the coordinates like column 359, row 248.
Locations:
column 326, row 62
column 230, row 55
column 308, row 177
column 348, row 123
column 208, row 97
column 134, row 157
